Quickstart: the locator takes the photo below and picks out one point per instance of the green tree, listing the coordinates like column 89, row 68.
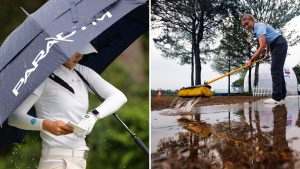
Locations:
column 11, row 14
column 297, row 72
column 185, row 25
column 233, row 48
column 238, row 84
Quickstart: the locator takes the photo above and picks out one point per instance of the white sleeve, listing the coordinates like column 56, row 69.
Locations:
column 21, row 119
column 114, row 98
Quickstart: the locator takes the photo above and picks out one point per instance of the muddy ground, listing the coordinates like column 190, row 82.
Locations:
column 229, row 144
column 169, row 102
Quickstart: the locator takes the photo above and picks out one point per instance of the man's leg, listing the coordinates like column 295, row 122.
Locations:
column 278, row 58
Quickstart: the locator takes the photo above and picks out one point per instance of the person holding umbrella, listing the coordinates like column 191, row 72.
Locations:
column 269, row 40
column 63, row 98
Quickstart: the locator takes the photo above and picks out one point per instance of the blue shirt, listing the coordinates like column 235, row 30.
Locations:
column 267, row 30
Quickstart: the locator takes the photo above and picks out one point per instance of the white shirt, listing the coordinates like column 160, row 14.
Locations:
column 54, row 102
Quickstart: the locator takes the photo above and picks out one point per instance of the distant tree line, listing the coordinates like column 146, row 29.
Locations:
column 164, row 92
column 190, row 31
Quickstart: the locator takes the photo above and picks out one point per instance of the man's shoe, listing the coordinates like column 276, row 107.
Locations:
column 272, row 101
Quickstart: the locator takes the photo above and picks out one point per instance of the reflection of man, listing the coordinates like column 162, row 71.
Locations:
column 280, row 144
column 279, row 132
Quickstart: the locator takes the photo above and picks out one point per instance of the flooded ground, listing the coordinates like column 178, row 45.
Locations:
column 234, row 136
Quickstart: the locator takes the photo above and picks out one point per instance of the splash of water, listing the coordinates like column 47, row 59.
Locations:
column 189, row 105
column 178, row 104
column 177, row 98
column 181, row 107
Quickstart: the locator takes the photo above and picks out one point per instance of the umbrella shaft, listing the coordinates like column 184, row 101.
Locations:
column 136, row 140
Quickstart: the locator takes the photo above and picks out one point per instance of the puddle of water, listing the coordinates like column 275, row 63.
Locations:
column 249, row 135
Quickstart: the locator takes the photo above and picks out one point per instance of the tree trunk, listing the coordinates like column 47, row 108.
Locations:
column 197, row 117
column 256, row 69
column 192, row 69
column 256, row 74
column 198, row 65
column 193, row 52
column 250, row 75
column 229, row 67
column 228, row 85
column 249, row 81
column 199, row 36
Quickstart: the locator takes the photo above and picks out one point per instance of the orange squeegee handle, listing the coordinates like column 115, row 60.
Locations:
column 233, row 71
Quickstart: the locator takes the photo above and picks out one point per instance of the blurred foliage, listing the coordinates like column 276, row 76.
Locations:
column 110, row 145
column 297, row 72
column 11, row 14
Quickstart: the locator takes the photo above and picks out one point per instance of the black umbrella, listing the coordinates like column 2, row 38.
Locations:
column 48, row 37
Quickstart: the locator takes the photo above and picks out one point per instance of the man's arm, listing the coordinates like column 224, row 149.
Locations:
column 114, row 99
column 262, row 47
column 21, row 119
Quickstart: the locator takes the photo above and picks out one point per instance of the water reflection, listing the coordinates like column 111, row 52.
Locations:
column 250, row 135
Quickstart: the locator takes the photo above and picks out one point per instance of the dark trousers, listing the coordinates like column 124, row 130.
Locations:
column 278, row 53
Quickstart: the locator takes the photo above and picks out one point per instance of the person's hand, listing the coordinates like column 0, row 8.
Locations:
column 249, row 63
column 57, row 127
column 267, row 56
column 87, row 122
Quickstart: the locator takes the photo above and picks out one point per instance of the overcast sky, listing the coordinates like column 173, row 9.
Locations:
column 169, row 74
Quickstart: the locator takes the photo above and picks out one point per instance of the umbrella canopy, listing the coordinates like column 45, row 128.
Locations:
column 51, row 35
column 117, row 38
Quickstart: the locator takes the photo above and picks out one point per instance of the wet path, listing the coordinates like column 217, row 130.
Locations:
column 248, row 135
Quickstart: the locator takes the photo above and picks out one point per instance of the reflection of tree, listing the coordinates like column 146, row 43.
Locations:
column 229, row 124
column 194, row 148
column 166, row 143
column 262, row 140
column 181, row 152
column 298, row 120
column 250, row 121
column 241, row 114
column 197, row 117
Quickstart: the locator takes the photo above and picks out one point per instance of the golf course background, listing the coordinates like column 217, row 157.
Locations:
column 111, row 147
